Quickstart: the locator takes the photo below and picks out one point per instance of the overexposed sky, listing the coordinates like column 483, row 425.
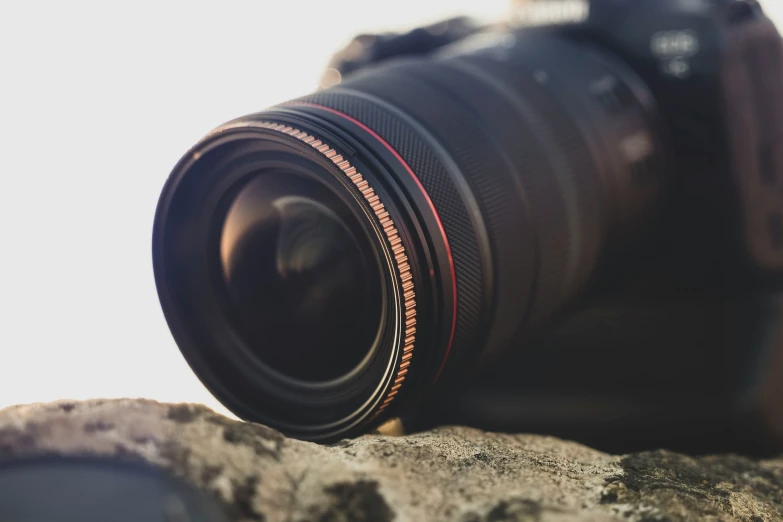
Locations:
column 98, row 100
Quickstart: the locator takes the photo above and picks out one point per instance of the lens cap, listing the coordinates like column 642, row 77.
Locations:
column 64, row 489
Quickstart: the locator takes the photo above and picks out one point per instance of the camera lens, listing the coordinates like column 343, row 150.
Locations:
column 284, row 278
column 302, row 282
column 337, row 259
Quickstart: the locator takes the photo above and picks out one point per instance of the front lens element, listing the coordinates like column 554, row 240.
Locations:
column 303, row 285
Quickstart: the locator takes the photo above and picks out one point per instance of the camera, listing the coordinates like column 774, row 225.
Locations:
column 568, row 223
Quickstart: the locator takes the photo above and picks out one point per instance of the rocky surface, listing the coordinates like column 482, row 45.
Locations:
column 451, row 474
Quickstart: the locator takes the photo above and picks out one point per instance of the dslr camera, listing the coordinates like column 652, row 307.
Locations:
column 567, row 223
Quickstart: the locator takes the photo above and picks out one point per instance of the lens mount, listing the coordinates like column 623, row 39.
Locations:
column 198, row 206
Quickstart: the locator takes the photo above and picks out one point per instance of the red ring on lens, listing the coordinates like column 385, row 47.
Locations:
column 416, row 180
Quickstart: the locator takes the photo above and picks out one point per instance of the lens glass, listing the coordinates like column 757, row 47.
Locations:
column 302, row 278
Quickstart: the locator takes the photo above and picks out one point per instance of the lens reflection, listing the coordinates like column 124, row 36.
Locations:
column 302, row 278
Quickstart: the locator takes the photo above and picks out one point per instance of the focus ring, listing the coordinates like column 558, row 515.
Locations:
column 463, row 232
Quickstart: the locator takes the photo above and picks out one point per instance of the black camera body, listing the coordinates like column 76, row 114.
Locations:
column 569, row 224
column 701, row 295
column 715, row 69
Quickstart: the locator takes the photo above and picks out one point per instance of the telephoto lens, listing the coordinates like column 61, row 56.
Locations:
column 326, row 263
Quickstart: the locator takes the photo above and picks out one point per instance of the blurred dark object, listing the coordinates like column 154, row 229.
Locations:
column 74, row 489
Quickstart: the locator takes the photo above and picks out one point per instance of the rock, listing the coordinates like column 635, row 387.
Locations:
column 450, row 474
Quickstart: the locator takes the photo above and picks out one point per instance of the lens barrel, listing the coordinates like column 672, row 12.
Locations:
column 324, row 263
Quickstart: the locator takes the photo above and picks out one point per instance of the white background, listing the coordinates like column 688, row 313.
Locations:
column 98, row 100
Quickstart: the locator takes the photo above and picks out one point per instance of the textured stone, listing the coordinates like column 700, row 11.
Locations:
column 450, row 474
